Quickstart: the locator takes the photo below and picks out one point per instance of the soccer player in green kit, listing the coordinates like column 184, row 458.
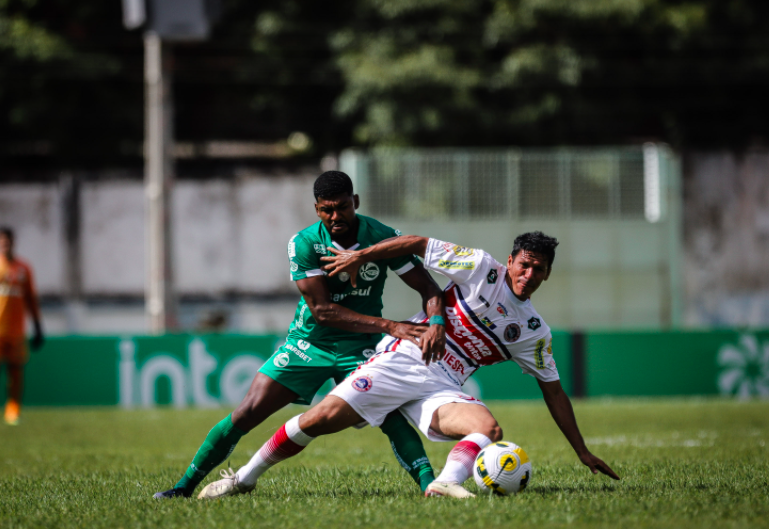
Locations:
column 336, row 327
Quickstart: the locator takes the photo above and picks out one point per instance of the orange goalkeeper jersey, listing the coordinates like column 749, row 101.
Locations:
column 15, row 279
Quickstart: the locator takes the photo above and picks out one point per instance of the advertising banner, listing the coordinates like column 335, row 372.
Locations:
column 216, row 370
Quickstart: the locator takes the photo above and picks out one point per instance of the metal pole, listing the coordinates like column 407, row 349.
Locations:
column 159, row 296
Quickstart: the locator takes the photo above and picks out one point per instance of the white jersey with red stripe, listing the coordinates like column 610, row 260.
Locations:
column 486, row 324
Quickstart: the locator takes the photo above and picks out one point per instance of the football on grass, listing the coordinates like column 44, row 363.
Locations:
column 502, row 468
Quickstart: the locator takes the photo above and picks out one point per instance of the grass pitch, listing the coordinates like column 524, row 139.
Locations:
column 684, row 463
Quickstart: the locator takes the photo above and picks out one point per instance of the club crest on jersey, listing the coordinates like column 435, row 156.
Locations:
column 503, row 311
column 281, row 360
column 369, row 271
column 362, row 384
column 512, row 332
column 534, row 324
column 492, row 277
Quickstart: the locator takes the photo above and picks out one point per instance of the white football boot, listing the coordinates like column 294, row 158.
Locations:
column 229, row 486
column 452, row 489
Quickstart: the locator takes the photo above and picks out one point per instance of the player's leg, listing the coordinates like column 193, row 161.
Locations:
column 475, row 428
column 330, row 416
column 15, row 387
column 404, row 439
column 14, row 353
column 264, row 397
column 408, row 449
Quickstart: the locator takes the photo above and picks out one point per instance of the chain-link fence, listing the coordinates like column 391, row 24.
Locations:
column 420, row 184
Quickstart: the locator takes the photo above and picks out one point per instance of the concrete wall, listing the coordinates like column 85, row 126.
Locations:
column 726, row 239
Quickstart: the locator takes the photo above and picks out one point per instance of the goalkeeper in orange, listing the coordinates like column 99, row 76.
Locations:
column 17, row 296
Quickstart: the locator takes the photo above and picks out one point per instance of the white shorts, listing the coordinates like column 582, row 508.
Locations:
column 395, row 381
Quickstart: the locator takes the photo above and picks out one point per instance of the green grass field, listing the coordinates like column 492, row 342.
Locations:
column 684, row 463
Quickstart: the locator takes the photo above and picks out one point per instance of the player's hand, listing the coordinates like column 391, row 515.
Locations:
column 407, row 330
column 597, row 465
column 343, row 261
column 433, row 344
column 37, row 341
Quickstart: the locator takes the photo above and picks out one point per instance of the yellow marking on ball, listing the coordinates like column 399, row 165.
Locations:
column 507, row 462
column 521, row 454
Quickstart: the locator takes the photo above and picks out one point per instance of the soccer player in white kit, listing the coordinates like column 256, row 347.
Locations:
column 489, row 319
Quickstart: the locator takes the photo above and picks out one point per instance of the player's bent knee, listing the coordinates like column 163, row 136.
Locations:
column 495, row 433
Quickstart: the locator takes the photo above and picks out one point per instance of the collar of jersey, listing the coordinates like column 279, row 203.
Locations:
column 361, row 227
column 512, row 297
column 339, row 246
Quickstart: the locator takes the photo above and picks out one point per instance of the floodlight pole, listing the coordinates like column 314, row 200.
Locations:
column 159, row 169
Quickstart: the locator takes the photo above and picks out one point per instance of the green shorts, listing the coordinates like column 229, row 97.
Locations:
column 304, row 367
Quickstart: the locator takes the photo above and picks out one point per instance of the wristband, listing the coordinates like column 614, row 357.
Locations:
column 437, row 320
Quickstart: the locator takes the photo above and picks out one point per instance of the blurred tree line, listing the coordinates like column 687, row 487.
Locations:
column 394, row 72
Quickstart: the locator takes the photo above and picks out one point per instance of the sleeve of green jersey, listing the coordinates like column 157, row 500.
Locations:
column 401, row 265
column 303, row 260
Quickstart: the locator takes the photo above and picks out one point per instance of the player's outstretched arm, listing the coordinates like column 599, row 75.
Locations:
column 315, row 292
column 560, row 408
column 350, row 260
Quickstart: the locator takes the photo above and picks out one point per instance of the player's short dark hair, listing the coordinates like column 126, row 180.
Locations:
column 332, row 184
column 536, row 241
column 8, row 232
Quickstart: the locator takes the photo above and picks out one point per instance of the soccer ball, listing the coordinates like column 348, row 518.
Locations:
column 502, row 468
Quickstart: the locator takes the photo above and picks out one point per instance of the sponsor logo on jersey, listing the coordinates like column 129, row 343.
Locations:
column 484, row 301
column 344, row 277
column 369, row 271
column 456, row 265
column 463, row 251
column 447, row 246
column 292, row 247
column 487, row 323
column 398, row 233
column 534, row 323
column 320, row 248
column 368, row 353
column 281, row 360
column 512, row 332
column 362, row 384
column 502, row 309
column 539, row 359
column 454, row 363
column 297, row 352
column 303, row 345
column 474, row 345
column 354, row 292
column 11, row 291
column 492, row 277
column 294, row 267
column 300, row 321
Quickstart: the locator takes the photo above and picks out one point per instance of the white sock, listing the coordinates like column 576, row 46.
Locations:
column 459, row 465
column 288, row 441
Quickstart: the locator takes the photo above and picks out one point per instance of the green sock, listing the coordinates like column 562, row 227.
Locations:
column 408, row 449
column 219, row 444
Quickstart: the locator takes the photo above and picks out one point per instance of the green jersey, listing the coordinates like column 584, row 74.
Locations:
column 304, row 252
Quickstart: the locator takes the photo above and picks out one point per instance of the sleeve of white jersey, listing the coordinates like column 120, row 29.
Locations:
column 458, row 263
column 538, row 361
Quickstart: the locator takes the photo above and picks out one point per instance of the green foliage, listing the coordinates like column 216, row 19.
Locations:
column 396, row 72
column 684, row 463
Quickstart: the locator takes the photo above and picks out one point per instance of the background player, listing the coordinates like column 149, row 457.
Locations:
column 17, row 297
column 335, row 328
column 489, row 320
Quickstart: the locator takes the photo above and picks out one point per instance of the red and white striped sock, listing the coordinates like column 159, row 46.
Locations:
column 288, row 441
column 459, row 465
